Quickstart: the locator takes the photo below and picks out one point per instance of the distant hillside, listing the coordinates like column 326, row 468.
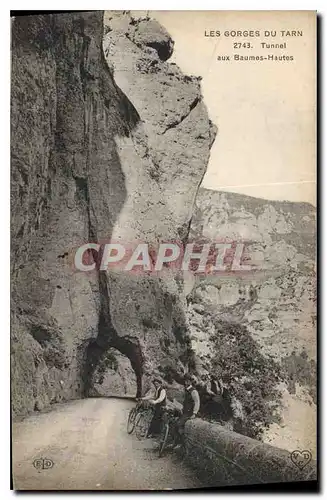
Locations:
column 226, row 214
column 258, row 329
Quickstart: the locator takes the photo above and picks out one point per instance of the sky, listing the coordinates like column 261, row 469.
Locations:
column 265, row 111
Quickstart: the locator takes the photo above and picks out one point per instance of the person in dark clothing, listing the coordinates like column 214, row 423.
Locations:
column 191, row 407
column 158, row 401
column 226, row 405
column 204, row 391
column 219, row 408
column 216, row 386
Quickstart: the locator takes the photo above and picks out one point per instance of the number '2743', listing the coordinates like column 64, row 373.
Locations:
column 244, row 45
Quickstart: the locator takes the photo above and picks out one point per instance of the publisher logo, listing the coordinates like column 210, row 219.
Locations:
column 301, row 458
column 43, row 464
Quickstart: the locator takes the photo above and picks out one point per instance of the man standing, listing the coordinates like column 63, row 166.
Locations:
column 191, row 407
column 158, row 401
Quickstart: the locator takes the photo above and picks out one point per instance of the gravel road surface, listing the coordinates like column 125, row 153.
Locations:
column 91, row 450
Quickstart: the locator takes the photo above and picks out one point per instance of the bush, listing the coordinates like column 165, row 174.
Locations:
column 250, row 377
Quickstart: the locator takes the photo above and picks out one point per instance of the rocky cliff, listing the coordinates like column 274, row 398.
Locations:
column 257, row 328
column 108, row 141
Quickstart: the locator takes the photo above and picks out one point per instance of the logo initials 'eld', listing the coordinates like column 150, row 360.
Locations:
column 43, row 463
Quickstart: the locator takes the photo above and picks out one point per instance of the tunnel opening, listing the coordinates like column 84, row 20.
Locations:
column 114, row 376
column 107, row 339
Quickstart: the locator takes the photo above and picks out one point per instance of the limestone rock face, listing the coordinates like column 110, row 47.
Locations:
column 109, row 141
column 173, row 137
column 65, row 114
column 276, row 299
column 163, row 160
column 257, row 328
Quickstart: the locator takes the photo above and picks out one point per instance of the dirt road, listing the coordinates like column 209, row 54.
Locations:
column 90, row 449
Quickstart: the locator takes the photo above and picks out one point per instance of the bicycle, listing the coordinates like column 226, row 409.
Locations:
column 169, row 432
column 143, row 422
column 132, row 416
column 139, row 419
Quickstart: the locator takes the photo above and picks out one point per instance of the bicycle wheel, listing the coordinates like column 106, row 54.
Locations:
column 163, row 438
column 131, row 420
column 142, row 424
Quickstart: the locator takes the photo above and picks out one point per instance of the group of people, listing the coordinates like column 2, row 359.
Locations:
column 209, row 386
column 217, row 400
column 194, row 392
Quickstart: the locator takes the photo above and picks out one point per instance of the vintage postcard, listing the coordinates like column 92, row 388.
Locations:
column 163, row 249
